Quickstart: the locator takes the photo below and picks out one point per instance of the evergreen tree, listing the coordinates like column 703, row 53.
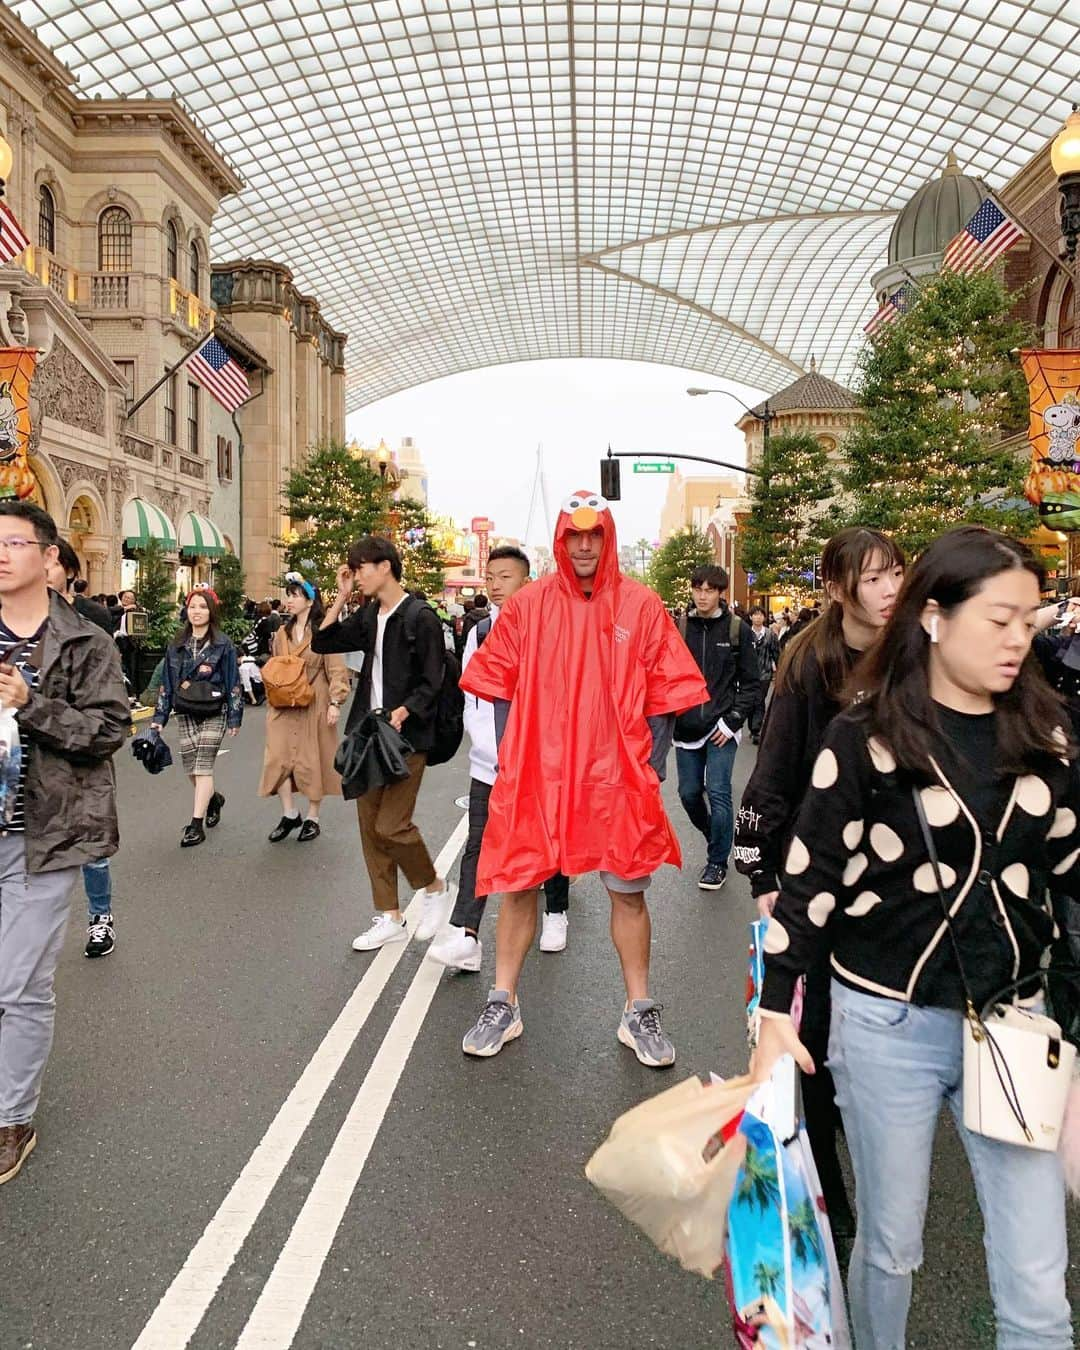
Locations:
column 332, row 500
column 673, row 562
column 421, row 556
column 229, row 588
column 155, row 594
column 789, row 517
column 938, row 387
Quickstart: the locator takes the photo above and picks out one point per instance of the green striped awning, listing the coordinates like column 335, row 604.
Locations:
column 201, row 536
column 144, row 521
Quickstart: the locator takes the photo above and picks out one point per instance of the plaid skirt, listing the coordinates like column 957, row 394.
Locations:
column 200, row 741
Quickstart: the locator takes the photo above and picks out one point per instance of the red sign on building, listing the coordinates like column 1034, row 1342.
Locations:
column 483, row 529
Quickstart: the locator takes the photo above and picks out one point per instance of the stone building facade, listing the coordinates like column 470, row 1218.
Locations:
column 118, row 197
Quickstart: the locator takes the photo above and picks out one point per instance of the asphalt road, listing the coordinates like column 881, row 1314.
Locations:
column 453, row 1210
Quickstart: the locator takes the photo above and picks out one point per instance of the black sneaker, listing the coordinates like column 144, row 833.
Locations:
column 713, row 878
column 100, row 935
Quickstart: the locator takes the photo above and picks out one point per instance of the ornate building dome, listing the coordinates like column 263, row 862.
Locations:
column 936, row 214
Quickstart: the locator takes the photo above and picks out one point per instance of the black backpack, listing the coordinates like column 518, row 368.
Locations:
column 449, row 726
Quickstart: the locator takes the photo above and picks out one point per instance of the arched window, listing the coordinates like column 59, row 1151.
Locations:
column 172, row 251
column 114, row 240
column 46, row 227
column 1068, row 333
column 196, row 269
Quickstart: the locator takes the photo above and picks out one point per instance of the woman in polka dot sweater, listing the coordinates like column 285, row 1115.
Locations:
column 954, row 705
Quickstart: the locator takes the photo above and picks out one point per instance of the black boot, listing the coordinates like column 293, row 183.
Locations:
column 213, row 810
column 284, row 828
column 193, row 834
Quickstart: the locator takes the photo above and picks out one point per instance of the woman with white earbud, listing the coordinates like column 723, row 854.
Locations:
column 947, row 789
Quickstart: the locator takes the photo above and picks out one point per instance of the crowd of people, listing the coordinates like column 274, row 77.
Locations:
column 912, row 755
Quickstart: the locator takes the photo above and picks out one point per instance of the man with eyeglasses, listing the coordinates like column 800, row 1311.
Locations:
column 61, row 677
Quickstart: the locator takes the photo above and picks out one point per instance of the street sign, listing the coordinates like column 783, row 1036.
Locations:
column 654, row 466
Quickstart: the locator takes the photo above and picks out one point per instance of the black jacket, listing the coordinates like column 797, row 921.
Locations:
column 857, row 876
column 412, row 675
column 767, row 651
column 730, row 673
column 95, row 613
column 795, row 727
column 75, row 720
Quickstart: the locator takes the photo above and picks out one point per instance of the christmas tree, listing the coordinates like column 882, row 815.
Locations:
column 670, row 567
column 789, row 518
column 938, row 387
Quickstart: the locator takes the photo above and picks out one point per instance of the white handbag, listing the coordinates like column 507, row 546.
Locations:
column 1017, row 1066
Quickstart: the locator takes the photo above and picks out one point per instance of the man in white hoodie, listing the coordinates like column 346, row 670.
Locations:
column 458, row 946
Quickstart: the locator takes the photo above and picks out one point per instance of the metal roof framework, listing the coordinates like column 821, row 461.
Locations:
column 708, row 183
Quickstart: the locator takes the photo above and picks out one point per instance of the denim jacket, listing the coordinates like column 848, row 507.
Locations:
column 181, row 665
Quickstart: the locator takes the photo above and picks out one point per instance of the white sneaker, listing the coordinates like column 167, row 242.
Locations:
column 457, row 949
column 383, row 929
column 553, row 933
column 434, row 911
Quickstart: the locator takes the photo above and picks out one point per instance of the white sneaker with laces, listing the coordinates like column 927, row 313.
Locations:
column 383, row 929
column 457, row 949
column 434, row 911
column 553, row 933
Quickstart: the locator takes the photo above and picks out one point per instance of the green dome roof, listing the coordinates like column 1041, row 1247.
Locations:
column 938, row 211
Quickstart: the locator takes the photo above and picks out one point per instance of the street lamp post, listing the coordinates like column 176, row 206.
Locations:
column 765, row 417
column 1065, row 157
column 383, row 456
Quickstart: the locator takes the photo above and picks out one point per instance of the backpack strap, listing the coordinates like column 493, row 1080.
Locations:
column 680, row 624
column 483, row 628
column 736, row 627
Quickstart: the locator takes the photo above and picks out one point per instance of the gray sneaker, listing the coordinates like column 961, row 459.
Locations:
column 640, row 1029
column 498, row 1023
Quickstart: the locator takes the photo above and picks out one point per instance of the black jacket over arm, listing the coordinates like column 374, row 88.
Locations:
column 412, row 672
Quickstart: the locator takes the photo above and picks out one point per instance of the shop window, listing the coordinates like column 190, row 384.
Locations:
column 114, row 240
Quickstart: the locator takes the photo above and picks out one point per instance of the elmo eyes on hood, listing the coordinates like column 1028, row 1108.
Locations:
column 592, row 500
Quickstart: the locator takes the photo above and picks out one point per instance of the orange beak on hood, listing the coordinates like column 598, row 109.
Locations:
column 585, row 518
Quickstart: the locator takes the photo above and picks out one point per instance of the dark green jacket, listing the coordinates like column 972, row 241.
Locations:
column 75, row 721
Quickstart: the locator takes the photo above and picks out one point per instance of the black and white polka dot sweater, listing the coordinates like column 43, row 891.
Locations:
column 858, row 878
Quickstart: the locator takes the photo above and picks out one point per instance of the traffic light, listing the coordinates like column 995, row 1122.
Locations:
column 610, row 487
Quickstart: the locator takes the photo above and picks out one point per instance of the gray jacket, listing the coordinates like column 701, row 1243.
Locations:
column 74, row 722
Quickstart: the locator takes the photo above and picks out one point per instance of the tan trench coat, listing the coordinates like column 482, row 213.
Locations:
column 299, row 743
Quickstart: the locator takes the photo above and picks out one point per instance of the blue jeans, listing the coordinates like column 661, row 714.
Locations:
column 894, row 1065
column 98, row 882
column 707, row 773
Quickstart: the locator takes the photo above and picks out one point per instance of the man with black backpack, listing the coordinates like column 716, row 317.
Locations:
column 707, row 737
column 408, row 673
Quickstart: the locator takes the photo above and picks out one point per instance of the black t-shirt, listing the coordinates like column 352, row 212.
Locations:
column 970, row 743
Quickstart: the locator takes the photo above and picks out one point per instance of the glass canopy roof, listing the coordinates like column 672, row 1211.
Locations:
column 708, row 183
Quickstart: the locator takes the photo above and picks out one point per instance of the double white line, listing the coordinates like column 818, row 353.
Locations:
column 277, row 1314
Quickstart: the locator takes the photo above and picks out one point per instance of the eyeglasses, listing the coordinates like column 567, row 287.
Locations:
column 17, row 545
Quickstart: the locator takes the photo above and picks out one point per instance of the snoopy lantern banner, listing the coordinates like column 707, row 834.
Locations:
column 1053, row 483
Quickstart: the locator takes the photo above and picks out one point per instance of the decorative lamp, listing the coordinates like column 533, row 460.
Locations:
column 7, row 159
column 1065, row 157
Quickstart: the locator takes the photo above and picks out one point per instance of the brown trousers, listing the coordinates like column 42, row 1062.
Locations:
column 391, row 840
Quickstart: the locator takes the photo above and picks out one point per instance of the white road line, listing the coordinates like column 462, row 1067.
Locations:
column 276, row 1317
column 184, row 1304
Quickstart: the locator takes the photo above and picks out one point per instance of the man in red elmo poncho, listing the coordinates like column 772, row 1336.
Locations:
column 586, row 671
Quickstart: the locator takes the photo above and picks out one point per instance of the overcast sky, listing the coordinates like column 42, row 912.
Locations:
column 478, row 432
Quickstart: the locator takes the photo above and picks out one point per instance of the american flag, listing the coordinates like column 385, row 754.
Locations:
column 897, row 304
column 12, row 239
column 215, row 369
column 987, row 235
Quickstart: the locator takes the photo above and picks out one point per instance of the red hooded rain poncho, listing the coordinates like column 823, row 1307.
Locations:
column 575, row 791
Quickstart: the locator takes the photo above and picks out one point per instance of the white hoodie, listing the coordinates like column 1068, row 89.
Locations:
column 480, row 719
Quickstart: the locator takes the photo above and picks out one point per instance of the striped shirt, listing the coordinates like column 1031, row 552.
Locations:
column 8, row 642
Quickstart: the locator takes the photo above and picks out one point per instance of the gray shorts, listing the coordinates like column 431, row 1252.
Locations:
column 623, row 887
